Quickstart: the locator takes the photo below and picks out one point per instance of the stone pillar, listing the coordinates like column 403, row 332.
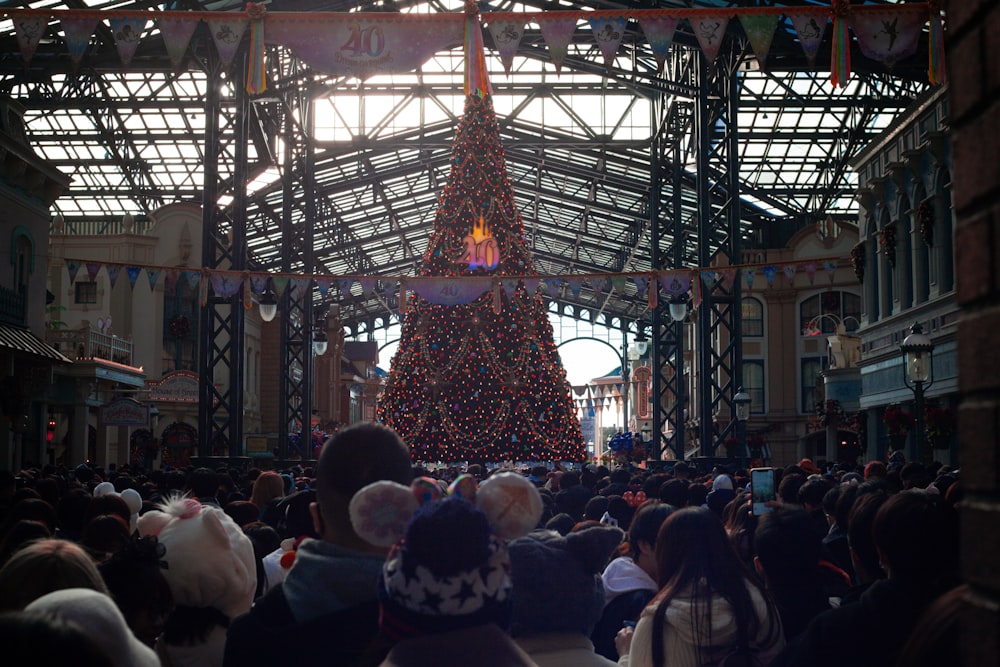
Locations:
column 79, row 425
column 974, row 79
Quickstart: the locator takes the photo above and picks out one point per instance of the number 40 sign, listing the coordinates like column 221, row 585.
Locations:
column 480, row 249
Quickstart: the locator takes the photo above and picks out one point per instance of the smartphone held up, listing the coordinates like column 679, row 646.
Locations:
column 762, row 489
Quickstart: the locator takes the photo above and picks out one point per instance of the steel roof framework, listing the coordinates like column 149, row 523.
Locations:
column 583, row 146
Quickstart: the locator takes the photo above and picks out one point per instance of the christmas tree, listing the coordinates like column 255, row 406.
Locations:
column 479, row 378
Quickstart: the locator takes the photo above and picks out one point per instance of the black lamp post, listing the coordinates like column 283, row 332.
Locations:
column 918, row 375
column 742, row 400
column 678, row 309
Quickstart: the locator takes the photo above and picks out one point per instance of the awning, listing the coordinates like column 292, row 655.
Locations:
column 24, row 342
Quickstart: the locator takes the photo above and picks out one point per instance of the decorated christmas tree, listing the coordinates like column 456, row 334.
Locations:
column 477, row 376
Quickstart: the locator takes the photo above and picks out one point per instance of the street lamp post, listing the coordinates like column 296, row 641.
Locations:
column 918, row 375
column 678, row 313
column 742, row 402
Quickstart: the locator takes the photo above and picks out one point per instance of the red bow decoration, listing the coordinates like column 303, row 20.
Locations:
column 634, row 499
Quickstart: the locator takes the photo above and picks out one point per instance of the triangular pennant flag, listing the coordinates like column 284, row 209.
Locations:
column 302, row 284
column 618, row 283
column 227, row 34
column 608, row 33
column 73, row 267
column 507, row 38
column 226, row 283
column 509, row 286
column 193, row 279
column 176, row 32
column 810, row 269
column 708, row 278
column 696, row 292
column 601, row 285
column 93, row 268
column 937, row 74
column 450, row 290
column 675, row 283
column 152, row 275
column 830, row 266
column 202, row 291
column 727, row 277
column 367, row 285
column 888, row 35
column 531, row 284
column 258, row 282
column 256, row 76
column 660, row 34
column 552, row 287
column 810, row 26
column 709, row 31
column 133, row 275
column 574, row 285
column 324, row 285
column 557, row 32
column 280, row 285
column 127, row 31
column 113, row 271
column 29, row 28
column 641, row 283
column 345, row 285
column 77, row 31
column 790, row 270
column 769, row 274
column 760, row 32
column 748, row 276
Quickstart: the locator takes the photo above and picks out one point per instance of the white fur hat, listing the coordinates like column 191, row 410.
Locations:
column 98, row 615
column 210, row 561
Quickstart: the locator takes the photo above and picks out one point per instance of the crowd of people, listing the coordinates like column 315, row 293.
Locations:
column 366, row 559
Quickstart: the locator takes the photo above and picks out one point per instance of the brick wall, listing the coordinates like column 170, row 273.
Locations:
column 974, row 81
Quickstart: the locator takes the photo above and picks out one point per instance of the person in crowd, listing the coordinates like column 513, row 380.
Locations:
column 31, row 509
column 97, row 613
column 674, row 492
column 837, row 504
column 453, row 598
column 210, row 568
column 20, row 534
column 265, row 541
column 710, row 607
column 45, row 566
column 243, row 512
column 697, row 494
column 559, row 595
column 936, row 638
column 721, row 494
column 787, row 554
column 72, row 514
column 44, row 638
column 104, row 535
column 630, row 580
column 268, row 490
column 788, row 487
column 875, row 470
column 136, row 583
column 811, row 495
column 572, row 496
column 916, row 538
column 327, row 603
column 864, row 554
column 203, row 485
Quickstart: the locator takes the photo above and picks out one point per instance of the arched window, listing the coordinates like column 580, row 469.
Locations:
column 843, row 306
column 752, row 317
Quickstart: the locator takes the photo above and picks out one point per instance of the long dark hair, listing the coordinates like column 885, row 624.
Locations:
column 695, row 558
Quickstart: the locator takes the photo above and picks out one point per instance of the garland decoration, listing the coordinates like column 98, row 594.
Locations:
column 179, row 326
column 858, row 261
column 887, row 239
column 925, row 221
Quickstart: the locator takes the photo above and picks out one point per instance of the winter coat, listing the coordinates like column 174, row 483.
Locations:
column 683, row 648
column 627, row 591
column 562, row 650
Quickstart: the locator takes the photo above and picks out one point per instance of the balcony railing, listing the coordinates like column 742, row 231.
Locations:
column 88, row 344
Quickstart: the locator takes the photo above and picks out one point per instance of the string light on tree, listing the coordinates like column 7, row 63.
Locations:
column 482, row 380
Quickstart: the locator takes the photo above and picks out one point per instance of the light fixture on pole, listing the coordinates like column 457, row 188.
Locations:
column 268, row 304
column 319, row 333
column 678, row 309
column 918, row 375
column 742, row 401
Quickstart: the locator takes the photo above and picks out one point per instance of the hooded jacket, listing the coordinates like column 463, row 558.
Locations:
column 686, row 645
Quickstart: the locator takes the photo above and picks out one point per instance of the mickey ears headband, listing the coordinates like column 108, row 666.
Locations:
column 381, row 511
